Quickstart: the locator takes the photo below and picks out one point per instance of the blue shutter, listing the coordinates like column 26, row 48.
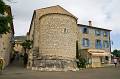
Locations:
column 108, row 44
column 104, row 44
column 100, row 32
column 88, row 43
column 96, row 46
column 107, row 34
column 100, row 44
column 83, row 42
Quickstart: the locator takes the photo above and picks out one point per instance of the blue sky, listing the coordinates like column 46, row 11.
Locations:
column 103, row 13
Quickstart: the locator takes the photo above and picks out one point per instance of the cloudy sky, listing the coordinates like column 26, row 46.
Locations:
column 103, row 13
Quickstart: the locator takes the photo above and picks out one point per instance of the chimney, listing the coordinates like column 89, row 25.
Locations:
column 90, row 23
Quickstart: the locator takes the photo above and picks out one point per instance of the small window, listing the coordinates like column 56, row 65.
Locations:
column 97, row 32
column 98, row 44
column 85, row 30
column 106, row 44
column 65, row 30
column 85, row 42
column 105, row 33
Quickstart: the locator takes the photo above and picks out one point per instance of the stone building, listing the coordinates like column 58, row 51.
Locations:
column 7, row 40
column 57, row 38
column 18, row 44
column 54, row 34
column 94, row 44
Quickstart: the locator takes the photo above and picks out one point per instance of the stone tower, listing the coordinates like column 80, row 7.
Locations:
column 54, row 34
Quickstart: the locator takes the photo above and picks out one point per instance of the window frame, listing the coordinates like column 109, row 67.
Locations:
column 87, row 43
column 106, row 44
column 85, row 32
column 105, row 33
column 97, row 32
column 65, row 30
column 98, row 45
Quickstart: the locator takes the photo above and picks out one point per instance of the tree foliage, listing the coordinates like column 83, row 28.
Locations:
column 27, row 44
column 4, row 28
column 81, row 63
column 116, row 53
column 2, row 7
column 4, row 19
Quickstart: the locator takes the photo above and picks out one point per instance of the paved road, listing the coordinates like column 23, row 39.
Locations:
column 18, row 72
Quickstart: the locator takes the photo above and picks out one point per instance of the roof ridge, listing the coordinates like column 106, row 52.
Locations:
column 48, row 7
column 57, row 7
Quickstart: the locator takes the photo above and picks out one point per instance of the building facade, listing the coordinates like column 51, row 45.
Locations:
column 95, row 42
column 54, row 34
column 7, row 40
column 18, row 48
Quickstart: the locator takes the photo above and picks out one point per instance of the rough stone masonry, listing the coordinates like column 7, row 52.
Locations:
column 54, row 34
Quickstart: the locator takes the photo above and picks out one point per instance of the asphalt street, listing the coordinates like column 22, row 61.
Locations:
column 17, row 71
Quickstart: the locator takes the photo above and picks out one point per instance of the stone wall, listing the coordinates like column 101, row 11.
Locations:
column 57, row 35
column 6, row 47
column 54, row 35
column 53, row 63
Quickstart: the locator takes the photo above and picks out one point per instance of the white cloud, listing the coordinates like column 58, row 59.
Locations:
column 21, row 27
column 103, row 13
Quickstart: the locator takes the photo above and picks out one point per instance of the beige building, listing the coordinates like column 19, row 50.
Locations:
column 7, row 41
column 54, row 34
column 18, row 48
column 95, row 43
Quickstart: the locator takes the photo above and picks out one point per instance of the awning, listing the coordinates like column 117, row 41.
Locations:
column 96, row 50
column 100, row 54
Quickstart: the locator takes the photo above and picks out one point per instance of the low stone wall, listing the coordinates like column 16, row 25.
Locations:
column 53, row 64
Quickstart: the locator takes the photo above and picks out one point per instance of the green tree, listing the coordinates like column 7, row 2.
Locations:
column 4, row 20
column 81, row 62
column 27, row 44
column 116, row 53
column 2, row 7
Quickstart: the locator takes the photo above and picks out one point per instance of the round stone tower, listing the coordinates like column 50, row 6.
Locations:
column 57, row 39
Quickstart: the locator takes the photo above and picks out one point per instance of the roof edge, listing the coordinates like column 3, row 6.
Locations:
column 60, row 7
column 31, row 22
column 94, row 27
